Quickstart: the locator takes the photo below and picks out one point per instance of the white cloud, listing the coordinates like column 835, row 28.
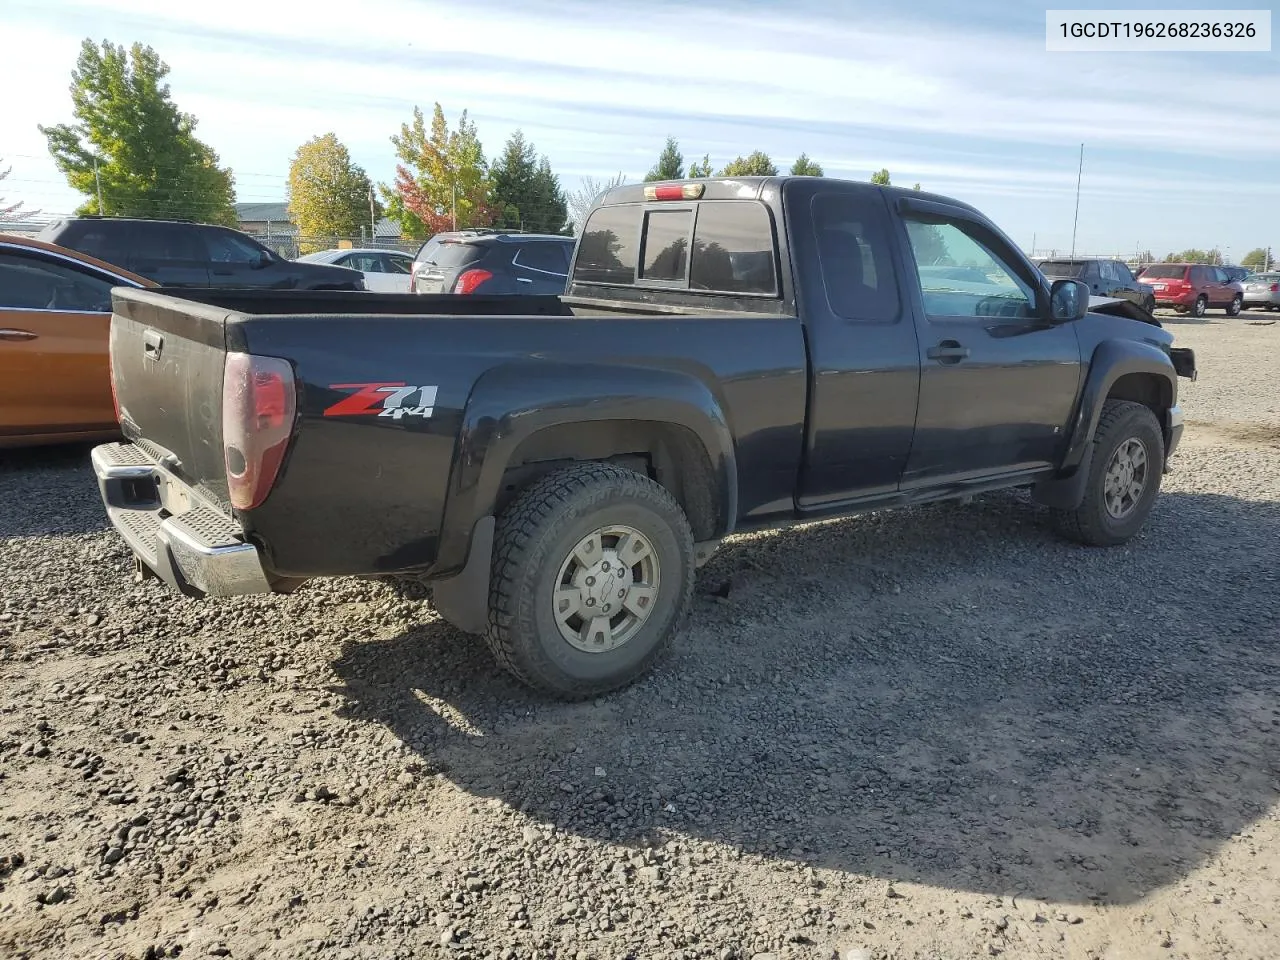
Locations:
column 869, row 91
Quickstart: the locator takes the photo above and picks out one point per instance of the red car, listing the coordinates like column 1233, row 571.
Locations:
column 1193, row 288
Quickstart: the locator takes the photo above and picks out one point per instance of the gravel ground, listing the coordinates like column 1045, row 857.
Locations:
column 938, row 732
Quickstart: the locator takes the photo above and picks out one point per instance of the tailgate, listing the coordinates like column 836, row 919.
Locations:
column 167, row 357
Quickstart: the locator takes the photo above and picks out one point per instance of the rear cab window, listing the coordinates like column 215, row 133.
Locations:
column 453, row 254
column 713, row 246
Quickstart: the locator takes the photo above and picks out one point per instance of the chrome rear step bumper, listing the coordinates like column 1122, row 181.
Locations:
column 198, row 551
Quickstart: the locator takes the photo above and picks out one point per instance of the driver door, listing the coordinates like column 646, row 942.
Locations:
column 998, row 382
column 54, row 324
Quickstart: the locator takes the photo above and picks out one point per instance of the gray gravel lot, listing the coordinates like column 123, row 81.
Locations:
column 938, row 732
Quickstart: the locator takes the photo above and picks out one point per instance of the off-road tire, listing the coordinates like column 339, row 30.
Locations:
column 534, row 536
column 1091, row 523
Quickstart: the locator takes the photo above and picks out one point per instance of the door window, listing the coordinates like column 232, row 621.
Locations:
column 364, row 262
column 31, row 283
column 1123, row 274
column 159, row 242
column 547, row 256
column 853, row 255
column 225, row 246
column 961, row 275
column 394, row 264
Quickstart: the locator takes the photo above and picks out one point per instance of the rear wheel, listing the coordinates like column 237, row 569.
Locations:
column 593, row 568
column 1233, row 308
column 1201, row 306
column 1124, row 478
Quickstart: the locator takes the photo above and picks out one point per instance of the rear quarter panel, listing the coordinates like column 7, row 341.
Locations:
column 364, row 493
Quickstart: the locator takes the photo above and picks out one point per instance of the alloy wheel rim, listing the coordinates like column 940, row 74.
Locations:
column 606, row 589
column 1126, row 478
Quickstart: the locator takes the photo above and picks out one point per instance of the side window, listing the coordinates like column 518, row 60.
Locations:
column 544, row 255
column 364, row 262
column 666, row 245
column 1123, row 274
column 34, row 283
column 162, row 241
column 225, row 246
column 853, row 255
column 1221, row 275
column 609, row 247
column 400, row 265
column 1106, row 271
column 733, row 250
column 991, row 287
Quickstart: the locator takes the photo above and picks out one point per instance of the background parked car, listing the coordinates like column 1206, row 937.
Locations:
column 1193, row 288
column 55, row 315
column 178, row 253
column 1106, row 278
column 385, row 271
column 1262, row 290
column 493, row 263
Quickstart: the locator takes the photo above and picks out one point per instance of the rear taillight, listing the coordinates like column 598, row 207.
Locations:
column 1275, row 288
column 111, row 377
column 258, row 408
column 468, row 280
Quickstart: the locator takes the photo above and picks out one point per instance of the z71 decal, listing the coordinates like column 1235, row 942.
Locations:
column 394, row 400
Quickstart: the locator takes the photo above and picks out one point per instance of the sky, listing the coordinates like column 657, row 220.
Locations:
column 1180, row 149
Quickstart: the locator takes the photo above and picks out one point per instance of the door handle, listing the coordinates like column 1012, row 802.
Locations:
column 12, row 334
column 948, row 351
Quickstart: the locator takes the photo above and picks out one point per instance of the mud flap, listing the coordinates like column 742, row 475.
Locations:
column 1065, row 493
column 463, row 600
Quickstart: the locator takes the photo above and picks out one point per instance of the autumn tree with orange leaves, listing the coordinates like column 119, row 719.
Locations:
column 442, row 178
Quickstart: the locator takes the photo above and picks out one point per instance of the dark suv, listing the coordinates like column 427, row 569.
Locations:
column 178, row 253
column 1106, row 278
column 484, row 262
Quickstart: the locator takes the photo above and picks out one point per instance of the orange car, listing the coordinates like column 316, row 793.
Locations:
column 55, row 315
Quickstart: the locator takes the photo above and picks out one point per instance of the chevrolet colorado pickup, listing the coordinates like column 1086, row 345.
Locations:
column 729, row 354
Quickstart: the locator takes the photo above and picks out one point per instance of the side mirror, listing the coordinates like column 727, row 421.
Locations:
column 1068, row 300
column 264, row 260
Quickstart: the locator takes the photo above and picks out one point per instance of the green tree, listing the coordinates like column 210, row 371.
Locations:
column 13, row 212
column 328, row 194
column 670, row 165
column 442, row 178
column 757, row 164
column 881, row 177
column 1195, row 255
column 804, row 167
column 700, row 169
column 1256, row 259
column 526, row 192
column 132, row 146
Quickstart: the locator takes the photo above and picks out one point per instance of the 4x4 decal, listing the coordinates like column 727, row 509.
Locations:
column 384, row 399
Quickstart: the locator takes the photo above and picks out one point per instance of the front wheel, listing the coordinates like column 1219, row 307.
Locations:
column 1233, row 308
column 593, row 568
column 1124, row 478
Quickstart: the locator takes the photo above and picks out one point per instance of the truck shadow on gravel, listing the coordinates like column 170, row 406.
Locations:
column 33, row 484
column 947, row 695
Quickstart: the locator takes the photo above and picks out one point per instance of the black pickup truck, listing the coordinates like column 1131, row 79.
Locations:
column 730, row 354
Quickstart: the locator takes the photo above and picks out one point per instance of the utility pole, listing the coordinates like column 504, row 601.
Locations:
column 373, row 222
column 1076, row 223
column 102, row 211
column 1033, row 245
column 455, row 204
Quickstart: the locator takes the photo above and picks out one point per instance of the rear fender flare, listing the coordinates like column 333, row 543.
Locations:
column 510, row 404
